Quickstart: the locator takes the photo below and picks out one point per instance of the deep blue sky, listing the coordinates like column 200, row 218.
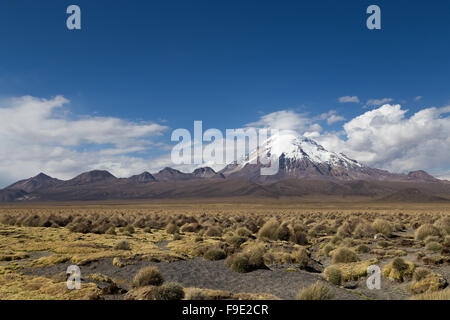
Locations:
column 225, row 62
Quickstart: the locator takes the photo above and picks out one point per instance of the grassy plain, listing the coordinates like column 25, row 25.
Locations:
column 237, row 248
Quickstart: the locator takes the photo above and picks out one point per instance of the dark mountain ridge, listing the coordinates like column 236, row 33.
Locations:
column 305, row 168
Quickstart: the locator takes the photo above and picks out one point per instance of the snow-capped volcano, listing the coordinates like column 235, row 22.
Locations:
column 294, row 147
column 301, row 157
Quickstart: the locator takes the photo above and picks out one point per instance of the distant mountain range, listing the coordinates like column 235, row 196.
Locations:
column 305, row 169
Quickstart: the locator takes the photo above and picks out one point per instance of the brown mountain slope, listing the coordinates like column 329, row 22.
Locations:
column 412, row 195
column 29, row 185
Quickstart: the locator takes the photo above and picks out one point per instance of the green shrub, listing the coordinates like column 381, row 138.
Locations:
column 343, row 255
column 317, row 291
column 149, row 276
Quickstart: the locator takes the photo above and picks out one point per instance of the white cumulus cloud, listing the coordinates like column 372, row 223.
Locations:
column 347, row 99
column 378, row 102
column 36, row 135
column 386, row 138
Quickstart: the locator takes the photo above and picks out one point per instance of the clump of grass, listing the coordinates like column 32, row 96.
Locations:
column 111, row 231
column 326, row 249
column 317, row 291
column 334, row 275
column 443, row 224
column 432, row 239
column 343, row 255
column 166, row 291
column 437, row 295
column 269, row 231
column 426, row 230
column 243, row 232
column 363, row 230
column 149, row 276
column 196, row 294
column 445, row 251
column 190, row 227
column 235, row 240
column 345, row 230
column 433, row 246
column 421, row 273
column 398, row 270
column 299, row 237
column 347, row 242
column 176, row 237
column 428, row 283
column 283, row 232
column 362, row 248
column 118, row 262
column 80, row 226
column 213, row 232
column 122, row 245
column 129, row 229
column 172, row 228
column 383, row 244
column 215, row 254
column 248, row 260
column 353, row 270
column 382, row 226
column 239, row 263
column 336, row 240
column 301, row 257
column 399, row 265
column 169, row 291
